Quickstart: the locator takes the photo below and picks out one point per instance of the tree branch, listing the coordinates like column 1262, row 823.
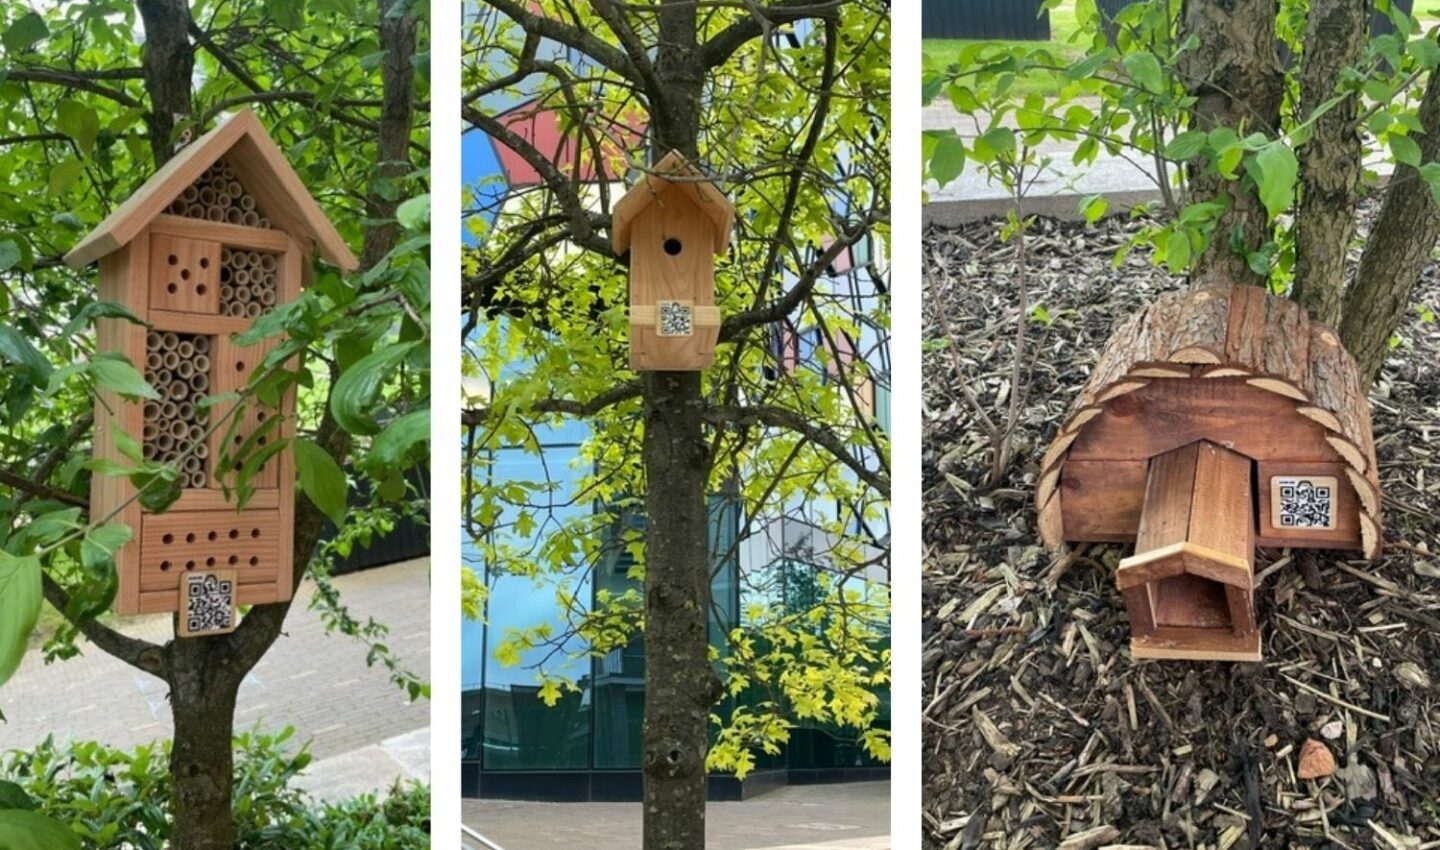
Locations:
column 477, row 416
column 72, row 80
column 790, row 420
column 595, row 48
column 140, row 654
column 718, row 50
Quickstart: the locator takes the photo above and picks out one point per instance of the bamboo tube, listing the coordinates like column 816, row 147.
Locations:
column 215, row 214
column 190, row 194
column 202, row 345
column 169, row 340
column 253, row 310
column 234, row 189
column 154, row 360
column 179, row 430
column 227, row 292
column 164, row 443
column 150, row 431
column 177, row 391
column 247, row 203
column 185, row 369
column 160, row 379
column 186, row 411
column 152, row 410
column 171, row 359
column 186, row 349
column 197, row 432
column 194, row 210
column 207, row 196
column 264, row 222
column 242, row 294
column 251, row 218
column 234, row 216
column 267, row 298
column 202, row 364
column 268, row 263
column 169, row 410
column 200, row 382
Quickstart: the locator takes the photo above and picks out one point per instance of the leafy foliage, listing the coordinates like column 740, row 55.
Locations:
column 99, row 798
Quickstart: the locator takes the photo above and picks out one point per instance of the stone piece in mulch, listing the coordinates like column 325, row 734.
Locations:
column 1315, row 760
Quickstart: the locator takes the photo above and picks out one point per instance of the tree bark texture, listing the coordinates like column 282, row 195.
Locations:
column 1397, row 249
column 680, row 686
column 204, row 678
column 1330, row 162
column 169, row 64
column 397, row 117
column 1235, row 76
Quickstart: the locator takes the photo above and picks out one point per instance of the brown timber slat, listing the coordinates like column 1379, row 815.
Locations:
column 1245, row 333
column 1101, row 499
column 1287, row 344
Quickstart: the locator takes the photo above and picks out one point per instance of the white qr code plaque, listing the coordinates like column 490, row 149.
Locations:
column 1303, row 501
column 207, row 603
column 677, row 318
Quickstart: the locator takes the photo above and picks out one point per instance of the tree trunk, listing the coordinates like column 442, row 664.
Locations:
column 1397, row 249
column 680, row 686
column 1235, row 76
column 204, row 680
column 397, row 117
column 169, row 65
column 1330, row 160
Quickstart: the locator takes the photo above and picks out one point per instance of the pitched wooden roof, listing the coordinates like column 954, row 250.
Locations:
column 261, row 167
column 708, row 199
column 1240, row 333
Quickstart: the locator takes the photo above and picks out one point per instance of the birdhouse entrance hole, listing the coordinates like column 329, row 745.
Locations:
column 673, row 246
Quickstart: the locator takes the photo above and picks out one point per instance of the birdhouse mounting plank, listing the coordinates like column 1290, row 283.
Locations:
column 672, row 224
column 224, row 232
column 1215, row 420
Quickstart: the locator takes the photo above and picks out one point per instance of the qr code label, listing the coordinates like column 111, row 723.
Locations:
column 677, row 318
column 1306, row 501
column 207, row 603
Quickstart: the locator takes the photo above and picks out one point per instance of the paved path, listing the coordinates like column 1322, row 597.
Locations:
column 315, row 682
column 852, row 816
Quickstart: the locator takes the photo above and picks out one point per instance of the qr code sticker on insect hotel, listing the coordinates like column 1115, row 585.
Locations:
column 209, row 603
column 1303, row 501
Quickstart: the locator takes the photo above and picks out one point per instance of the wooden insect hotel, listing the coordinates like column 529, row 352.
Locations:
column 221, row 234
column 673, row 223
column 1215, row 421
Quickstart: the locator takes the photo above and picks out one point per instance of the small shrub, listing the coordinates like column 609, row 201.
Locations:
column 120, row 800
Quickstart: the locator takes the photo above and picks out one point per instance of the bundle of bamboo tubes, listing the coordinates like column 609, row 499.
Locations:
column 218, row 196
column 248, row 282
column 178, row 367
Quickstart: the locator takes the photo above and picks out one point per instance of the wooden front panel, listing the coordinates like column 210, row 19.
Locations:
column 1100, row 499
column 1169, row 414
column 178, row 542
column 184, row 274
column 1345, row 535
column 672, row 259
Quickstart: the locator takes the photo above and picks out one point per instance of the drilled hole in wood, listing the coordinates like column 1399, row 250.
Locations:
column 213, row 536
column 190, row 538
column 164, row 566
column 210, row 562
column 204, row 262
column 234, row 559
column 189, row 565
column 172, row 259
column 184, row 274
column 201, row 289
column 168, row 538
column 172, row 288
column 673, row 246
column 234, row 534
column 254, row 532
column 239, row 365
column 254, row 560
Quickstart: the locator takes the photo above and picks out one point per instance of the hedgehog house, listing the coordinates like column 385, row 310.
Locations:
column 224, row 232
column 1215, row 421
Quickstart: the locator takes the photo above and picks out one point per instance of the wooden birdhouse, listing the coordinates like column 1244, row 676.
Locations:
column 224, row 232
column 673, row 223
column 1215, row 421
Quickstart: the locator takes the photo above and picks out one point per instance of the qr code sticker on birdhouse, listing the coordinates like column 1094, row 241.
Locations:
column 207, row 603
column 677, row 318
column 1306, row 501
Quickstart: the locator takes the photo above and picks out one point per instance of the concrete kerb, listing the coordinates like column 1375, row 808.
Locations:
column 954, row 213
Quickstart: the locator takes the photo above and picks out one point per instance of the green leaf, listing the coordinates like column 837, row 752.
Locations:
column 321, row 479
column 12, row 796
column 118, row 376
column 1186, row 145
column 1278, row 169
column 1425, row 50
column 948, row 161
column 20, row 597
column 1177, row 251
column 1431, row 172
column 1144, row 69
column 63, row 176
column 79, row 122
column 24, row 830
column 414, row 214
column 100, row 544
column 393, row 444
column 1094, row 208
column 16, row 349
column 1405, row 150
column 22, row 35
column 355, row 395
column 9, row 254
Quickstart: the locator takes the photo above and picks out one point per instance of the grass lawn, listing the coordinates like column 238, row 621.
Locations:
column 946, row 51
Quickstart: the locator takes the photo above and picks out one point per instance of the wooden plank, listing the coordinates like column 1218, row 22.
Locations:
column 198, row 323
column 1165, row 518
column 1245, row 328
column 173, row 544
column 1102, row 499
column 230, row 235
column 1221, row 518
column 108, row 493
column 232, row 367
column 207, row 499
column 1178, row 644
column 185, row 274
column 1050, row 521
column 1168, row 414
column 294, row 266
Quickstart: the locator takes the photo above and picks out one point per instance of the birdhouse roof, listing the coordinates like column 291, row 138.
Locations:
column 702, row 193
column 262, row 169
column 1219, row 335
